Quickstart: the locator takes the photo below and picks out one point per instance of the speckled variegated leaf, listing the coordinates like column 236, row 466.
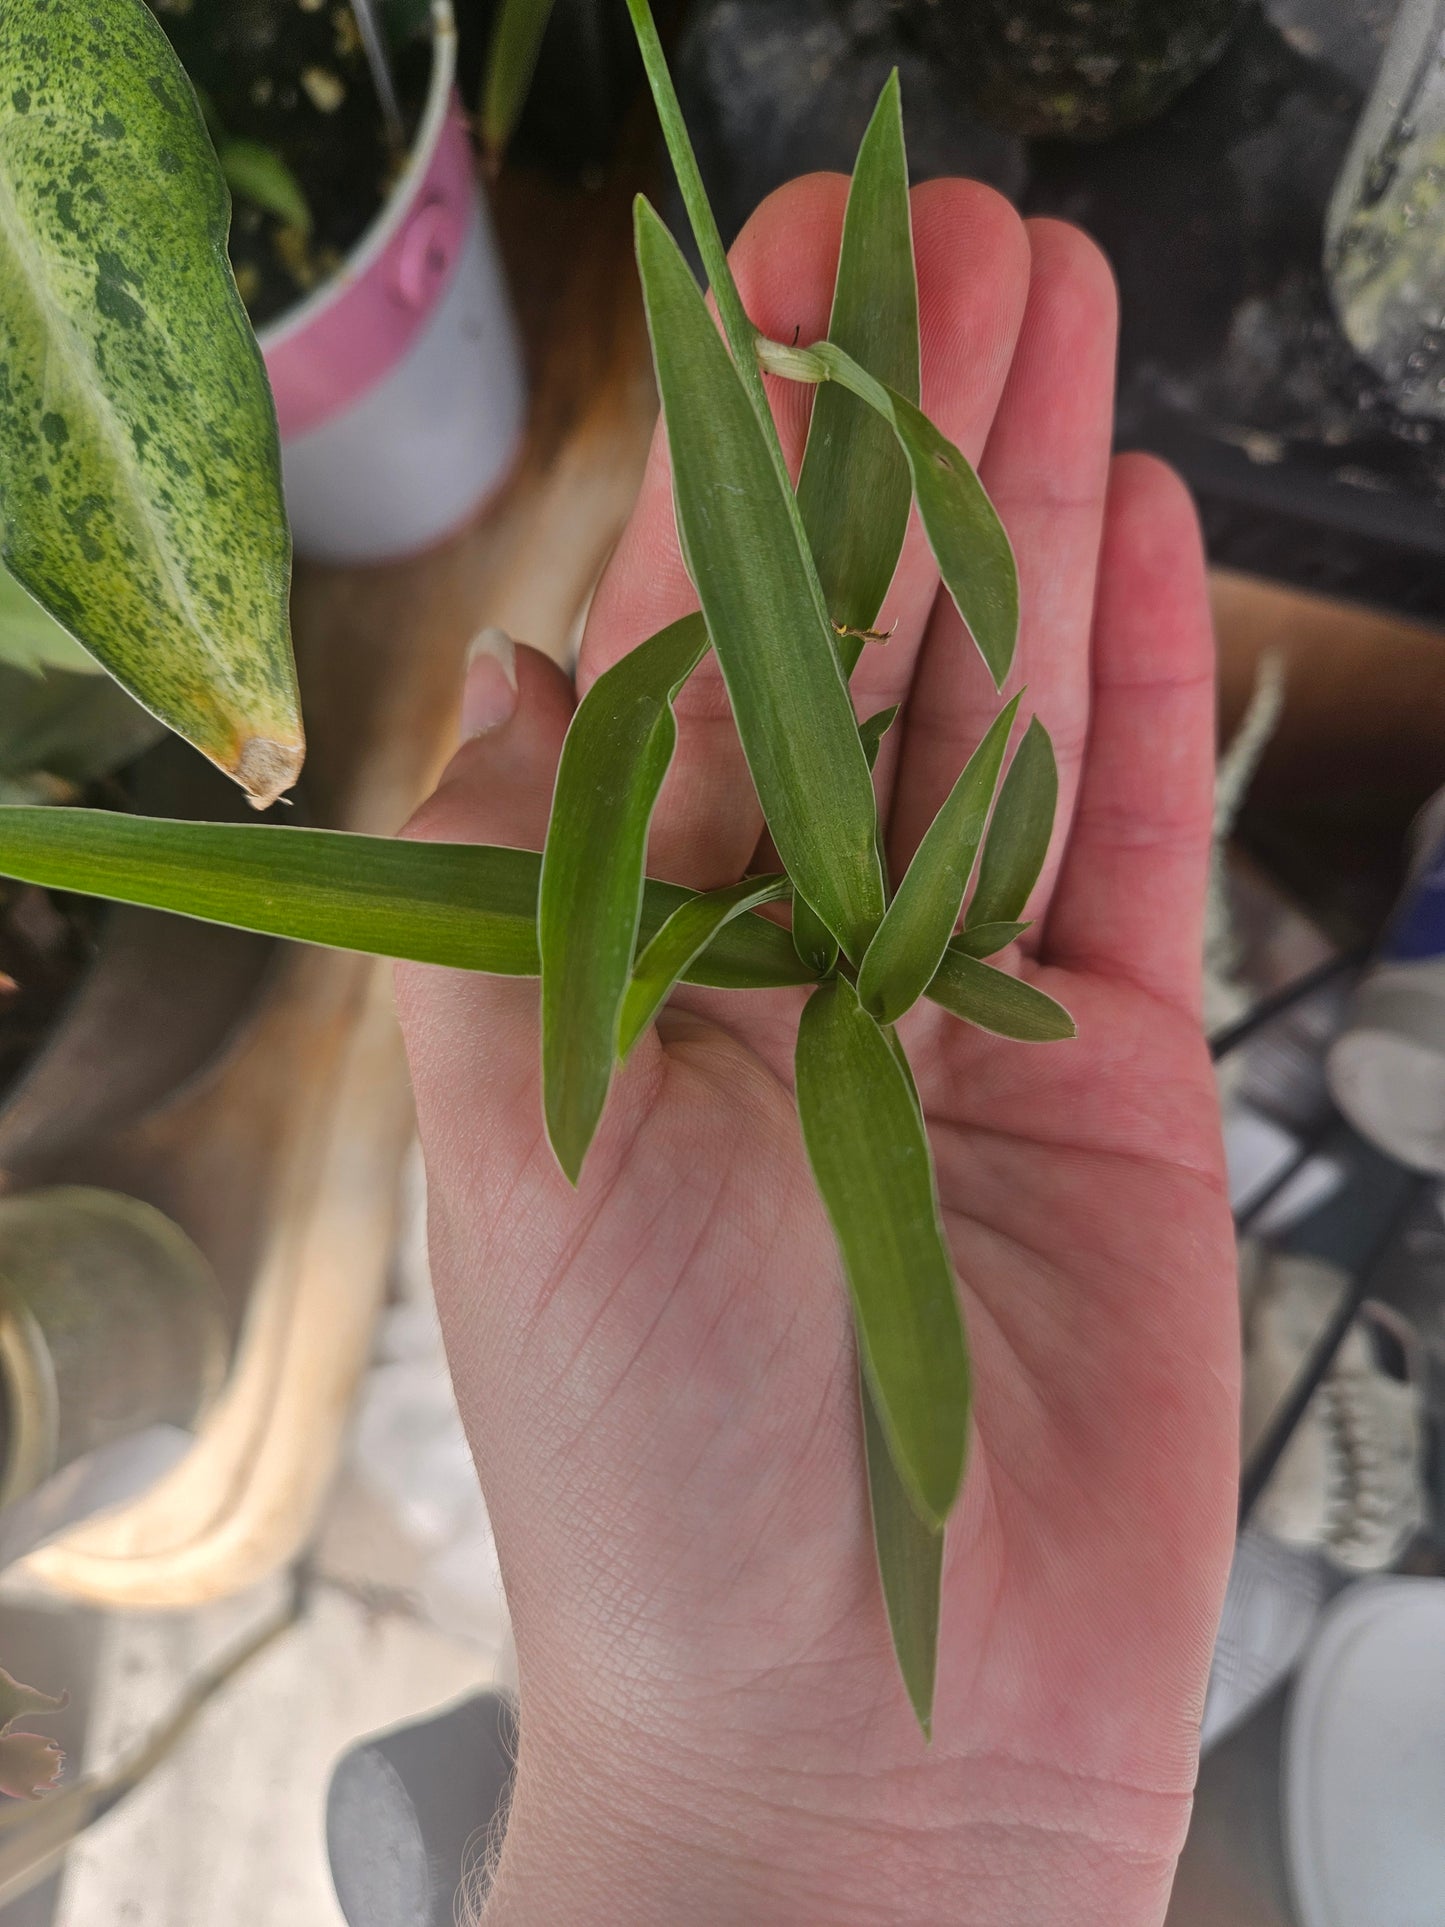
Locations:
column 140, row 496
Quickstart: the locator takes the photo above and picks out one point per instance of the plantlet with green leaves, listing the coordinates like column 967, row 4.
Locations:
column 790, row 581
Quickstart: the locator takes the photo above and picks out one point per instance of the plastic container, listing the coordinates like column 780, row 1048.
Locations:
column 398, row 384
column 1386, row 1069
column 1364, row 1761
column 113, row 1343
column 1385, row 231
column 1076, row 69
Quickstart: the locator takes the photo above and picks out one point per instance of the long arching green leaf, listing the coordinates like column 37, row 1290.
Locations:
column 511, row 62
column 1018, row 837
column 995, row 1001
column 469, row 906
column 910, row 1565
column 869, row 1152
column 854, row 491
column 613, row 763
column 914, row 933
column 141, row 474
column 685, row 936
column 763, row 607
column 969, row 542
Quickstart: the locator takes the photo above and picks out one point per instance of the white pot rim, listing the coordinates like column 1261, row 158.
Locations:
column 394, row 209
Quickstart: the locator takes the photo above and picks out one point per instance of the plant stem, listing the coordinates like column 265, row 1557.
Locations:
column 739, row 330
column 792, row 364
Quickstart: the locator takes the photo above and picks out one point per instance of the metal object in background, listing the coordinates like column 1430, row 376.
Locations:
column 1387, row 1067
column 113, row 1342
column 378, row 59
column 1385, row 231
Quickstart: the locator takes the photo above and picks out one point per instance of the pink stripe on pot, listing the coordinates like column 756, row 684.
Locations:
column 341, row 341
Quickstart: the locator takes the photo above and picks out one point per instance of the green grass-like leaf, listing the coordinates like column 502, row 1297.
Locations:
column 969, row 542
column 684, row 937
column 1018, row 837
column 763, row 607
column 914, row 933
column 910, row 1565
column 854, row 491
column 987, row 939
column 869, row 1152
column 32, row 641
column 995, row 1001
column 259, row 175
column 138, row 442
column 469, row 906
column 512, row 53
column 614, row 760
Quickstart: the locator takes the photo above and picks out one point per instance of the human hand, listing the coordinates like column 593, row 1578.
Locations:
column 657, row 1370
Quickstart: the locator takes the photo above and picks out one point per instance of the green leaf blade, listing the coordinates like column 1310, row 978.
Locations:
column 910, row 1566
column 31, row 640
column 911, row 940
column 465, row 906
column 969, row 542
column 680, row 941
column 614, row 760
column 512, row 56
column 1018, row 838
column 763, row 607
column 997, row 1002
column 870, row 1156
column 854, row 490
column 259, row 175
column 987, row 939
column 137, row 434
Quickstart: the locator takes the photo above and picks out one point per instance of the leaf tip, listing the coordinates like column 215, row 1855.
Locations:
column 266, row 769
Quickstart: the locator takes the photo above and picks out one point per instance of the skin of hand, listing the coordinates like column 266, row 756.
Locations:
column 657, row 1371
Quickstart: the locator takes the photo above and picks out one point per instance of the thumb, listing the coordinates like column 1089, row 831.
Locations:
column 516, row 705
column 472, row 1040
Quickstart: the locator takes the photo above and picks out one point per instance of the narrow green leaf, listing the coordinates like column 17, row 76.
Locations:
column 812, row 939
column 259, row 175
column 33, row 641
column 815, row 943
column 613, row 764
column 869, row 1152
column 142, row 487
column 914, row 933
column 854, row 491
column 466, row 905
column 995, row 1001
column 910, row 1565
column 739, row 329
column 684, row 937
column 987, row 939
column 874, row 728
column 969, row 542
column 763, row 607
column 1018, row 837
column 511, row 62
column 72, row 727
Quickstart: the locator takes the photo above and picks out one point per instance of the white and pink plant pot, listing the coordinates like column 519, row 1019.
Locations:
column 398, row 385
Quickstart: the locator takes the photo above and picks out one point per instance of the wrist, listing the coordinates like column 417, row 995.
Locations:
column 659, row 1834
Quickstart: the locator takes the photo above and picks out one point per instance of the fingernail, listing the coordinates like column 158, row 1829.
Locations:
column 489, row 694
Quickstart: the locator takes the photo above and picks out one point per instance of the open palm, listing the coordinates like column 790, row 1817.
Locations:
column 657, row 1370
